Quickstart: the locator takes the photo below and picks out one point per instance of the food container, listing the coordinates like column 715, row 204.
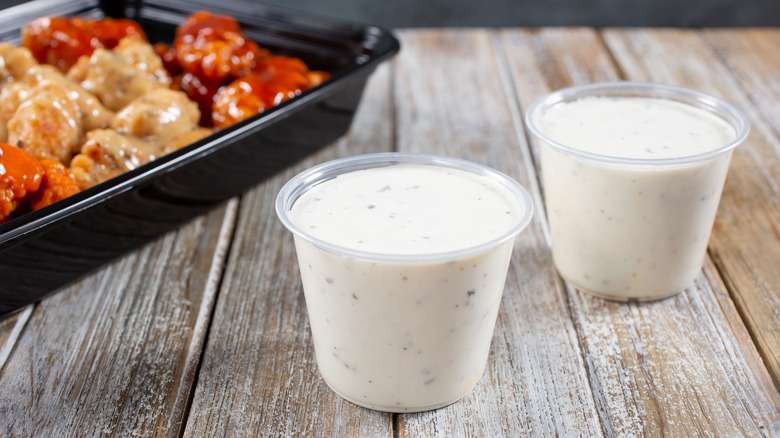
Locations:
column 633, row 174
column 45, row 250
column 403, row 259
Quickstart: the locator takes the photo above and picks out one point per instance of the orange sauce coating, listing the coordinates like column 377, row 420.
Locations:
column 213, row 47
column 62, row 41
column 57, row 184
column 20, row 175
column 277, row 80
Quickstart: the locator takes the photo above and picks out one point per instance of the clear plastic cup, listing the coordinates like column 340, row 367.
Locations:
column 397, row 327
column 631, row 194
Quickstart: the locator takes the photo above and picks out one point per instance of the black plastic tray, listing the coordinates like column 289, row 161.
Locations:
column 45, row 250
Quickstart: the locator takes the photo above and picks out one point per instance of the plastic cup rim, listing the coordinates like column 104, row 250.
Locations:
column 714, row 105
column 307, row 179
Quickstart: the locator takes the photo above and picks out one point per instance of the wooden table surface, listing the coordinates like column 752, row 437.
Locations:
column 204, row 331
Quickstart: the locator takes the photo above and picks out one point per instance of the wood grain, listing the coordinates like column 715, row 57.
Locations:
column 11, row 327
column 753, row 57
column 259, row 375
column 674, row 367
column 744, row 242
column 108, row 355
column 453, row 98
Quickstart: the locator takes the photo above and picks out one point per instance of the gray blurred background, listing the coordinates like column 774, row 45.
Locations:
column 435, row 13
column 468, row 13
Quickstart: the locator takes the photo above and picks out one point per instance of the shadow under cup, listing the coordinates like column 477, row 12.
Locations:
column 402, row 332
column 625, row 226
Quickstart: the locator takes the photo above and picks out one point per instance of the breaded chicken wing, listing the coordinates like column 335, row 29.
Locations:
column 92, row 113
column 151, row 126
column 119, row 76
column 14, row 62
column 106, row 154
column 160, row 113
column 165, row 117
column 11, row 96
column 48, row 125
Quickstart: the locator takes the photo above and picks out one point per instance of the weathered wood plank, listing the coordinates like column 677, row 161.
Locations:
column 113, row 354
column 753, row 57
column 259, row 373
column 453, row 99
column 745, row 248
column 680, row 366
column 676, row 367
column 11, row 327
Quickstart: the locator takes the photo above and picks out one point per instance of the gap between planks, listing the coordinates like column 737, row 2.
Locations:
column 21, row 321
column 189, row 377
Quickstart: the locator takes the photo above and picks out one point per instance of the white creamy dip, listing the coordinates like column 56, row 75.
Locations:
column 635, row 127
column 407, row 209
column 631, row 230
column 404, row 336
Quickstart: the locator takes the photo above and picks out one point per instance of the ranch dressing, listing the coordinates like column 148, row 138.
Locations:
column 636, row 127
column 632, row 230
column 406, row 209
column 410, row 328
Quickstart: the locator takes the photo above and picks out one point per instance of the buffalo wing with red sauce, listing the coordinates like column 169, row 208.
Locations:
column 228, row 75
column 62, row 41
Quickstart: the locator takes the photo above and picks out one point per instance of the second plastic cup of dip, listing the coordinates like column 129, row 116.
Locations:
column 633, row 174
column 403, row 259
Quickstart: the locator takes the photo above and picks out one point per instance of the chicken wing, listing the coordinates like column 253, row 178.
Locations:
column 106, row 154
column 119, row 76
column 20, row 175
column 48, row 125
column 57, row 184
column 14, row 62
column 160, row 113
column 92, row 113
